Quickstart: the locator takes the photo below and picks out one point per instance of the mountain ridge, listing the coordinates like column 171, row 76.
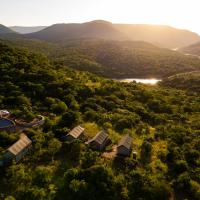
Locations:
column 159, row 35
column 5, row 30
column 163, row 36
column 95, row 29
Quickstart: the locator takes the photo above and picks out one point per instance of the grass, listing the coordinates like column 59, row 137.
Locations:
column 158, row 147
column 91, row 129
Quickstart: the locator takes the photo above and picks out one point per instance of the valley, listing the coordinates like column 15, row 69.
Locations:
column 163, row 122
column 104, row 111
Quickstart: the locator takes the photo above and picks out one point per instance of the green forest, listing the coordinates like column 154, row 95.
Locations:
column 113, row 59
column 164, row 123
column 185, row 81
column 193, row 49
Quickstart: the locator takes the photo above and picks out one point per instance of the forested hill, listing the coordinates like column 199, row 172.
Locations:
column 127, row 59
column 186, row 81
column 164, row 124
column 163, row 36
column 193, row 49
column 114, row 59
column 92, row 30
column 5, row 30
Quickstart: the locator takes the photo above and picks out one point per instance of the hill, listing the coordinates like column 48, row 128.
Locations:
column 163, row 36
column 115, row 59
column 90, row 30
column 193, row 49
column 163, row 122
column 5, row 30
column 186, row 81
column 26, row 30
column 125, row 59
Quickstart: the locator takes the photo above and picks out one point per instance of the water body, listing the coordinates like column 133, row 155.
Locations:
column 5, row 123
column 139, row 80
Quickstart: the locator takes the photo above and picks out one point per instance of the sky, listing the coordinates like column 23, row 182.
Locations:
column 182, row 14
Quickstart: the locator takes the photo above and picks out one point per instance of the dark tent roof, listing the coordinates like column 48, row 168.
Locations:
column 126, row 141
column 100, row 137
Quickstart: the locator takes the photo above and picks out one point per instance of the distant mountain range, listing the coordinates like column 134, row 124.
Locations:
column 26, row 30
column 162, row 36
column 89, row 30
column 112, row 50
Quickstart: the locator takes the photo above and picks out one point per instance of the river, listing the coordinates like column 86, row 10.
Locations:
column 139, row 80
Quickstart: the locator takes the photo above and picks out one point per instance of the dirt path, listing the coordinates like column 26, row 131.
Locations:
column 111, row 154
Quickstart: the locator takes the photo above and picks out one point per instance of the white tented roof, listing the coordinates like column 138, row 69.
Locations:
column 20, row 145
column 76, row 132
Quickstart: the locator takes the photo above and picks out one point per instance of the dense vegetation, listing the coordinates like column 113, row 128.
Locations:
column 187, row 81
column 165, row 125
column 115, row 59
column 193, row 49
column 127, row 59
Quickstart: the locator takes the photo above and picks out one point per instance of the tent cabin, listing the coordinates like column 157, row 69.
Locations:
column 99, row 141
column 18, row 150
column 125, row 146
column 75, row 133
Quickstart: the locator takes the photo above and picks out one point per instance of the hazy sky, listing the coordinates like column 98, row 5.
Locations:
column 179, row 13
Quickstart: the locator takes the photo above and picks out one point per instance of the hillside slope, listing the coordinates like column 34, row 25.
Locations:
column 63, row 32
column 5, row 30
column 193, row 49
column 186, row 81
column 163, row 36
column 114, row 59
column 126, row 59
column 164, row 124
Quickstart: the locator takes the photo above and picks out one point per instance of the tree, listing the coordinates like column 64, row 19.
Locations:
column 9, row 198
column 182, row 183
column 88, row 158
column 146, row 150
column 69, row 119
column 54, row 146
column 43, row 175
column 59, row 107
column 19, row 179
